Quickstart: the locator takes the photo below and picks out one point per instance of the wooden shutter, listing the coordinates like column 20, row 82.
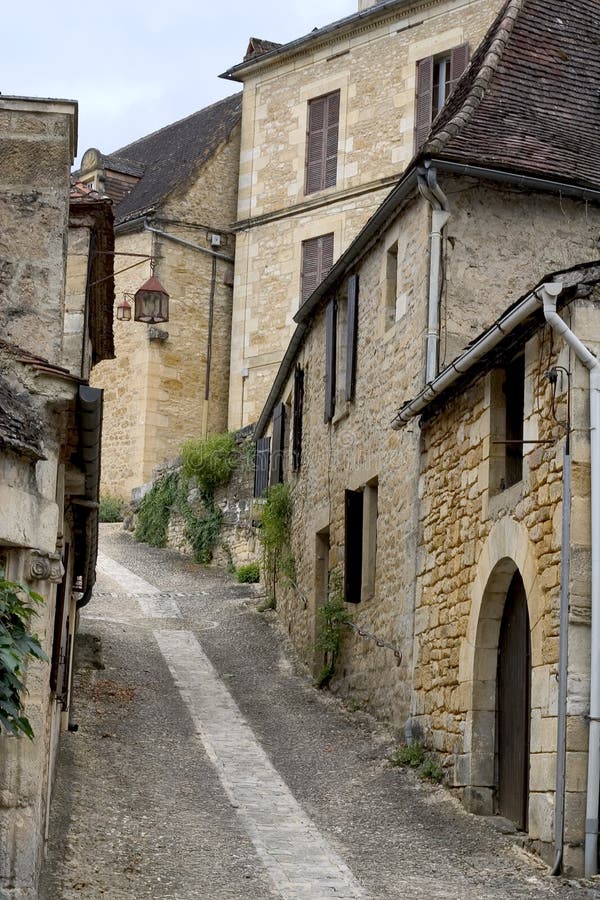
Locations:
column 331, row 140
column 297, row 422
column 278, row 444
column 322, row 141
column 424, row 104
column 459, row 59
column 317, row 260
column 262, row 466
column 330, row 348
column 353, row 546
column 351, row 336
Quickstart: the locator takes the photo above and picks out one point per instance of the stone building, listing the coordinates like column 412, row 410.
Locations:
column 175, row 198
column 56, row 298
column 329, row 123
column 442, row 529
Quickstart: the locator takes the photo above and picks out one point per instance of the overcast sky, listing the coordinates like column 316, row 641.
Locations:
column 136, row 65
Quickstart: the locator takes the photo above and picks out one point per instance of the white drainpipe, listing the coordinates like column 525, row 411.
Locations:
column 430, row 189
column 550, row 294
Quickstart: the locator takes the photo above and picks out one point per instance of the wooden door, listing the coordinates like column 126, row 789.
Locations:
column 514, row 706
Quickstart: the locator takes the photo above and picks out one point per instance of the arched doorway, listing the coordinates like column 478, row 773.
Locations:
column 513, row 706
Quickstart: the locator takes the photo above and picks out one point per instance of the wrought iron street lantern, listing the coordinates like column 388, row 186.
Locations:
column 151, row 303
column 124, row 309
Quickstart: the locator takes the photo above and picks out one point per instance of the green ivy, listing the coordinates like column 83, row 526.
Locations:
column 275, row 538
column 155, row 509
column 17, row 645
column 332, row 617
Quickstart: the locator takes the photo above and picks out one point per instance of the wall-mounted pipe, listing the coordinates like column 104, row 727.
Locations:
column 550, row 294
column 432, row 192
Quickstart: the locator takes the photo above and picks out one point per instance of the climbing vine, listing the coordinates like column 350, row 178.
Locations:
column 333, row 617
column 275, row 539
column 205, row 465
column 17, row 646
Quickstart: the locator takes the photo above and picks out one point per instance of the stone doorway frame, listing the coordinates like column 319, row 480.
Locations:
column 507, row 549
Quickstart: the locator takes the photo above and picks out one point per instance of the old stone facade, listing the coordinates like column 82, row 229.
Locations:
column 56, row 324
column 446, row 528
column 169, row 382
column 371, row 59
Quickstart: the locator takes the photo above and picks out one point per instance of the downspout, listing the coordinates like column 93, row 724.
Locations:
column 550, row 294
column 432, row 192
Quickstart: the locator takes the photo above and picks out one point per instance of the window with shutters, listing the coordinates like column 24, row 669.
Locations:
column 262, row 466
column 297, row 418
column 341, row 333
column 360, row 551
column 317, row 260
column 391, row 285
column 278, row 444
column 436, row 77
column 322, row 142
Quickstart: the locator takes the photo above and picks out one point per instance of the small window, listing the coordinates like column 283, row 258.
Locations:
column 317, row 260
column 341, row 336
column 507, row 415
column 391, row 285
column 436, row 77
column 322, row 142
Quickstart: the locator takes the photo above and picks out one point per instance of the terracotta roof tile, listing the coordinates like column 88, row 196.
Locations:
column 529, row 101
column 257, row 46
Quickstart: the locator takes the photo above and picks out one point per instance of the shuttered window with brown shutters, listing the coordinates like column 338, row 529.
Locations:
column 322, row 142
column 278, row 446
column 297, row 418
column 317, row 260
column 436, row 78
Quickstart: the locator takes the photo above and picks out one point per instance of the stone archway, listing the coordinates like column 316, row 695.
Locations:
column 508, row 550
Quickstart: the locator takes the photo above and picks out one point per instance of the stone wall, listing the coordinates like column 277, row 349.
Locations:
column 373, row 65
column 155, row 388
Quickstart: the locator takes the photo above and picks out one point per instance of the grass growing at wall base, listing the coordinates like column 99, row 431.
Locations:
column 415, row 756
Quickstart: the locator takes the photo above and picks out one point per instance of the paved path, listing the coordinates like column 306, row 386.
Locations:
column 206, row 766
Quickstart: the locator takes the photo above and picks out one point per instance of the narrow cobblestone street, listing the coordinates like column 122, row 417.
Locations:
column 205, row 765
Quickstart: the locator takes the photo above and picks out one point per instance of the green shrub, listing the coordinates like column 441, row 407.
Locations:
column 112, row 509
column 332, row 618
column 17, row 646
column 211, row 461
column 248, row 574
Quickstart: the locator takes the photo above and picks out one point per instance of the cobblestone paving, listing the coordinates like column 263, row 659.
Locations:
column 206, row 766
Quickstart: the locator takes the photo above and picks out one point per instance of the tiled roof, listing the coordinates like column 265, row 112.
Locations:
column 257, row 46
column 529, row 101
column 170, row 155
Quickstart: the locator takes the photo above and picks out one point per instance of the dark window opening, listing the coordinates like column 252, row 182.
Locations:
column 297, row 418
column 353, row 546
column 514, row 394
column 278, row 446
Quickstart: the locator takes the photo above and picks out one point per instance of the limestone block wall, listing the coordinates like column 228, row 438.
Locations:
column 373, row 66
column 37, row 150
column 359, row 448
column 155, row 388
column 472, row 539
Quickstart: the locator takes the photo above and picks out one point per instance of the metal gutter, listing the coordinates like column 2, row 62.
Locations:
column 452, row 373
